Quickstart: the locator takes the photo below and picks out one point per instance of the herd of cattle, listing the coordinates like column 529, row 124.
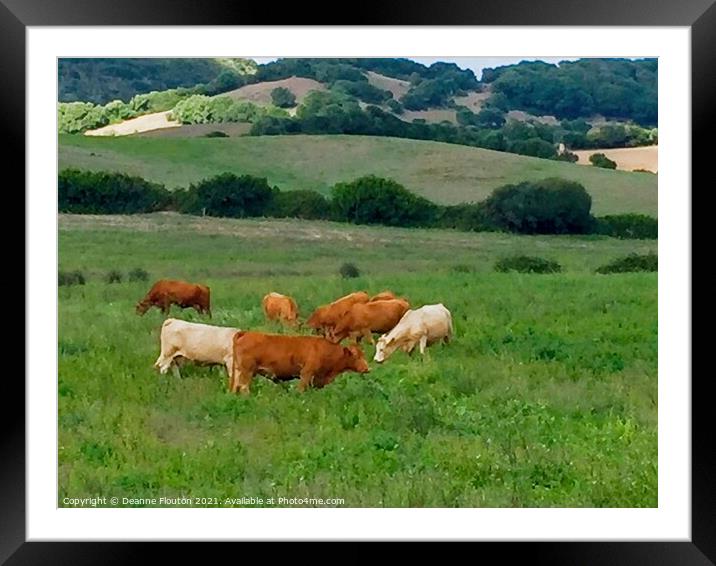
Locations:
column 315, row 360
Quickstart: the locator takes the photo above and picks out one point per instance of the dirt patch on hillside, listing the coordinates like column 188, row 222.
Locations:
column 473, row 101
column 627, row 158
column 155, row 121
column 260, row 93
column 397, row 86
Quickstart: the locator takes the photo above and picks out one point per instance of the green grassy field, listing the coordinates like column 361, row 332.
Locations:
column 546, row 397
column 445, row 173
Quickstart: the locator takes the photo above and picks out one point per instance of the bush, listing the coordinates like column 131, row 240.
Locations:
column 227, row 195
column 113, row 276
column 466, row 216
column 283, row 98
column 65, row 278
column 299, row 204
column 89, row 192
column 349, row 271
column 527, row 264
column 373, row 200
column 216, row 134
column 601, row 160
column 630, row 263
column 549, row 206
column 76, row 117
column 138, row 274
column 567, row 156
column 628, row 226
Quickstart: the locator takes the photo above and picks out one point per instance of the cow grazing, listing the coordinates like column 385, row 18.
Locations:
column 280, row 307
column 423, row 326
column 325, row 317
column 197, row 342
column 364, row 319
column 383, row 296
column 312, row 359
column 167, row 292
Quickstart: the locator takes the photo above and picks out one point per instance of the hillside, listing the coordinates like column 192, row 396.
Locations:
column 445, row 173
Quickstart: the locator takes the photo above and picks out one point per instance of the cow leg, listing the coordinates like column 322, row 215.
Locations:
column 241, row 379
column 423, row 343
column 175, row 370
column 369, row 335
column 306, row 379
column 165, row 360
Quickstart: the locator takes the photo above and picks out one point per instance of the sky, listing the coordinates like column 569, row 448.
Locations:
column 477, row 64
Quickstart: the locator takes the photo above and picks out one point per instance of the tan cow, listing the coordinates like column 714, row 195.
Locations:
column 201, row 343
column 280, row 307
column 423, row 326
column 325, row 317
column 383, row 296
column 365, row 318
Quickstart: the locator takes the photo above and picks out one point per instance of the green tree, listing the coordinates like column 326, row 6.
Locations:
column 283, row 97
column 228, row 195
column 374, row 200
column 549, row 206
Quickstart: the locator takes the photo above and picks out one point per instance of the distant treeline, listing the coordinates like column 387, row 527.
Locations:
column 102, row 80
column 619, row 89
column 547, row 206
column 614, row 88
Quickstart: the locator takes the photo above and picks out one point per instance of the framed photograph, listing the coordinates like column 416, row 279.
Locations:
column 387, row 281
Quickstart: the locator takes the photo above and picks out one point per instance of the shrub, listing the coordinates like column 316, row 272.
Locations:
column 349, row 271
column 567, row 156
column 299, row 204
column 76, row 117
column 466, row 216
column 216, row 134
column 228, row 195
column 113, row 276
column 65, row 278
column 549, row 206
column 601, row 160
column 283, row 98
column 628, row 226
column 89, row 192
column 373, row 200
column 632, row 262
column 527, row 264
column 138, row 274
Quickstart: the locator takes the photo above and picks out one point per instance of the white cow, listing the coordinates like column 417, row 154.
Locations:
column 201, row 343
column 422, row 326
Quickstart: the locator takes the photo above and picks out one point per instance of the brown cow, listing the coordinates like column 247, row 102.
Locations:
column 167, row 292
column 313, row 359
column 280, row 307
column 364, row 319
column 325, row 317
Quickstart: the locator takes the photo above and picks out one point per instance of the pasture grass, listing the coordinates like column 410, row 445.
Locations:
column 445, row 173
column 546, row 397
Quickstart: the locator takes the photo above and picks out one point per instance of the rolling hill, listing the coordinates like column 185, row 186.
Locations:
column 444, row 173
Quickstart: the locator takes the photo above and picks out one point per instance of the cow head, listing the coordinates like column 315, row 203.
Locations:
column 142, row 307
column 355, row 359
column 384, row 348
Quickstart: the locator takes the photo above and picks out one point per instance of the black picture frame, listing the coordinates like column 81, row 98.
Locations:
column 699, row 15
